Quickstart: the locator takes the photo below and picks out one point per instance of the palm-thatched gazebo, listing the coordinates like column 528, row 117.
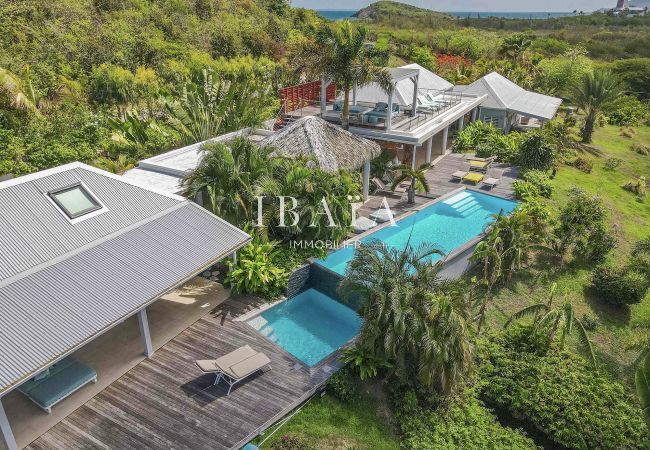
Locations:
column 331, row 146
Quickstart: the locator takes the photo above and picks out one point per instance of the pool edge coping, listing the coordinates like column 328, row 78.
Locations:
column 449, row 257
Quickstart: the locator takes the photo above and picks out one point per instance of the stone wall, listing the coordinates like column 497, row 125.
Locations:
column 298, row 280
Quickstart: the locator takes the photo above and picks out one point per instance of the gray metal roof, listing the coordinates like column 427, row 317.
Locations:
column 63, row 283
column 506, row 95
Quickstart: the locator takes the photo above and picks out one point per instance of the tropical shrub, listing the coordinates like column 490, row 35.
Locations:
column 637, row 186
column 536, row 152
column 462, row 423
column 582, row 164
column 255, row 271
column 618, row 285
column 343, row 385
column 291, row 442
column 625, row 111
column 642, row 382
column 411, row 328
column 524, row 190
column 640, row 149
column 540, row 180
column 582, row 227
column 640, row 257
column 558, row 393
column 612, row 163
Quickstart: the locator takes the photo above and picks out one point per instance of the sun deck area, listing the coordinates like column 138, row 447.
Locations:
column 166, row 402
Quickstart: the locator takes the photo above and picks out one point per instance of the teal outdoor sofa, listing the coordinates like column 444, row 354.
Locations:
column 58, row 382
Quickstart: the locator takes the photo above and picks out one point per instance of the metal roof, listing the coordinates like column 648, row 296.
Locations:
column 63, row 283
column 504, row 94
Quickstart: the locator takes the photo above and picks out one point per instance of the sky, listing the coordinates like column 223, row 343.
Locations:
column 471, row 5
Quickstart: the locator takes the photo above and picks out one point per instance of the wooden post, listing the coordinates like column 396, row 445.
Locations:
column 366, row 179
column 7, row 435
column 144, row 332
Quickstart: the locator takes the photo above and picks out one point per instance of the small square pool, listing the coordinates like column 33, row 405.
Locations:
column 310, row 325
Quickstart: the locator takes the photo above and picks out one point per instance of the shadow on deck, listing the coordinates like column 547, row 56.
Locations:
column 166, row 402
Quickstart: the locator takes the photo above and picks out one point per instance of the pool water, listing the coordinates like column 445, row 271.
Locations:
column 448, row 223
column 310, row 326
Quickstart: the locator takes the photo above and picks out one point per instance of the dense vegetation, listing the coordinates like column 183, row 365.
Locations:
column 550, row 328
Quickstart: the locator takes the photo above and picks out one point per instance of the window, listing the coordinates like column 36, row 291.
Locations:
column 75, row 201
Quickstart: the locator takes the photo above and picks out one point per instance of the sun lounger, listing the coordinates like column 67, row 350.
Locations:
column 480, row 164
column 460, row 174
column 493, row 179
column 382, row 215
column 363, row 224
column 217, row 366
column 242, row 370
column 381, row 187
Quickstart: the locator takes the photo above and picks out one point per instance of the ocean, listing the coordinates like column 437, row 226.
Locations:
column 338, row 14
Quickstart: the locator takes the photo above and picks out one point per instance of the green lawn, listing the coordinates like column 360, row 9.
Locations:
column 327, row 423
column 630, row 221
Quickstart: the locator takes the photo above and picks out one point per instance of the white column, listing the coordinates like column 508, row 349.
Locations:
column 461, row 123
column 323, row 97
column 7, row 435
column 234, row 257
column 144, row 332
column 414, row 108
column 389, row 113
column 428, row 154
column 474, row 114
column 366, row 179
column 414, row 156
column 445, row 135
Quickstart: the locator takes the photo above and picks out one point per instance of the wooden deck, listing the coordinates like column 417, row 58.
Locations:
column 165, row 401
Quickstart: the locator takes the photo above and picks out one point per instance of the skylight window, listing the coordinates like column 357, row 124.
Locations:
column 75, row 201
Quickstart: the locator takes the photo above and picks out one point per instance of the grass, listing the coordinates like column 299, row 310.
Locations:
column 327, row 423
column 630, row 221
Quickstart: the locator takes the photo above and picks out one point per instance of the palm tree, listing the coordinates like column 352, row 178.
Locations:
column 411, row 325
column 591, row 94
column 550, row 320
column 515, row 46
column 228, row 177
column 642, row 381
column 20, row 94
column 338, row 53
column 417, row 177
column 118, row 166
column 211, row 106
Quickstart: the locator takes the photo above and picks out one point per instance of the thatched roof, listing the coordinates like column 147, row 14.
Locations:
column 334, row 148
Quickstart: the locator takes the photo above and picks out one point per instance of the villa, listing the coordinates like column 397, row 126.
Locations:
column 84, row 252
column 101, row 314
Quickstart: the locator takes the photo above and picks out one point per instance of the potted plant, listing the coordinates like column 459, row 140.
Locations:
column 416, row 176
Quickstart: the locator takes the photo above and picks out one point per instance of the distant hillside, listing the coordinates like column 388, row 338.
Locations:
column 387, row 11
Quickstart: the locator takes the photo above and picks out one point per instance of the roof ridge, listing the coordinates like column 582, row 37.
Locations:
column 34, row 269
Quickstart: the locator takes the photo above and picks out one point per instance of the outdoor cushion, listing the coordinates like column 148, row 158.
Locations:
column 65, row 377
column 225, row 361
column 363, row 224
column 382, row 215
column 249, row 365
column 474, row 177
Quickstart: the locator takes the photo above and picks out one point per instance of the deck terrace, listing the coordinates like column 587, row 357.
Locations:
column 165, row 401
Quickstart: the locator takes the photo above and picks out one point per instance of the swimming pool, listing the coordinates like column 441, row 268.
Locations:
column 448, row 223
column 310, row 326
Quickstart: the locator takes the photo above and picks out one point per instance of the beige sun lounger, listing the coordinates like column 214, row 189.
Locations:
column 382, row 187
column 217, row 366
column 493, row 179
column 462, row 173
column 242, row 370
